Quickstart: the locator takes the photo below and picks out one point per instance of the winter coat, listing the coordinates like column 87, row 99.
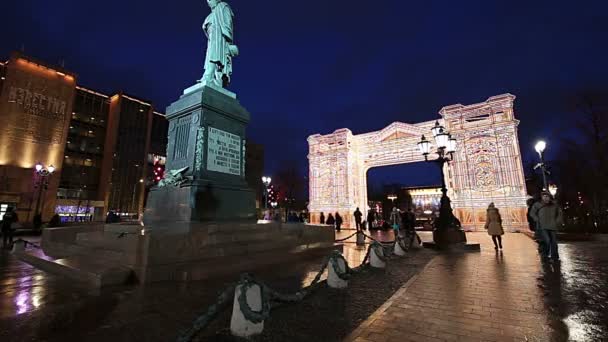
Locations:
column 547, row 216
column 330, row 220
column 494, row 222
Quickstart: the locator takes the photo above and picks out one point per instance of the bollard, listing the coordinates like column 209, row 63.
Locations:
column 18, row 246
column 239, row 324
column 398, row 249
column 360, row 238
column 333, row 278
column 376, row 260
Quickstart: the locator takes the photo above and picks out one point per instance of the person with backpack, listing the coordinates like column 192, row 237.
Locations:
column 548, row 217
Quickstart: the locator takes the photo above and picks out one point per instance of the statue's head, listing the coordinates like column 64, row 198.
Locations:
column 213, row 3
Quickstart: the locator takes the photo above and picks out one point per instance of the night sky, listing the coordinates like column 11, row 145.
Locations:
column 314, row 66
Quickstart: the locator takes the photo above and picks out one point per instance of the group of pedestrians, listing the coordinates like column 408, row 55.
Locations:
column 336, row 221
column 544, row 218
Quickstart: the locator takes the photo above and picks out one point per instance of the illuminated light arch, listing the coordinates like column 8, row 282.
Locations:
column 487, row 165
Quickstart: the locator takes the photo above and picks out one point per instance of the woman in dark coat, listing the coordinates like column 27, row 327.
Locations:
column 330, row 220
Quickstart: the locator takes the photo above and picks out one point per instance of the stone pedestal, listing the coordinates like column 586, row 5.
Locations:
column 207, row 143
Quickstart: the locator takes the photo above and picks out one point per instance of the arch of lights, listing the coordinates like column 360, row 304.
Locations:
column 487, row 165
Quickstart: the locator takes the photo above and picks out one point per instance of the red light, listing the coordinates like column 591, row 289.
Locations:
column 159, row 168
column 157, row 178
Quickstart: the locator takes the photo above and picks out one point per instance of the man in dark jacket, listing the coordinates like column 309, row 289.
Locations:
column 8, row 219
column 358, row 216
column 532, row 225
column 548, row 217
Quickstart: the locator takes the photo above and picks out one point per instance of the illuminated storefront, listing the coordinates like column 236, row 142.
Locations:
column 487, row 166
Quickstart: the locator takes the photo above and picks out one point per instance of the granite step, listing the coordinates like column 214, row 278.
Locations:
column 92, row 271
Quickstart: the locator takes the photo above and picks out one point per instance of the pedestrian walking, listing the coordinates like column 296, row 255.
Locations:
column 322, row 218
column 494, row 226
column 395, row 220
column 371, row 219
column 358, row 216
column 8, row 219
column 338, row 221
column 533, row 226
column 548, row 217
column 331, row 220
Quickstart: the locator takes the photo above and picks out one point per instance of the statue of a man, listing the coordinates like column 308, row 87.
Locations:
column 220, row 44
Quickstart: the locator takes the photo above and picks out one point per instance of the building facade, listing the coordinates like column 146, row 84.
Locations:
column 98, row 144
column 35, row 106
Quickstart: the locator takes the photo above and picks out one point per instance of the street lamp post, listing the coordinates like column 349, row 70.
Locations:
column 266, row 181
column 540, row 149
column 42, row 183
column 447, row 228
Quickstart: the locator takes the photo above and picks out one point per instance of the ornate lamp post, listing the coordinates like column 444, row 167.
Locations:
column 42, row 182
column 266, row 181
column 540, row 149
column 447, row 228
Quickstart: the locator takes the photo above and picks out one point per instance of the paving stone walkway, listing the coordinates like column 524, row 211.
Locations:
column 486, row 296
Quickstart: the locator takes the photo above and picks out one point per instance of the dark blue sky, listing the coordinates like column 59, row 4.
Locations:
column 313, row 66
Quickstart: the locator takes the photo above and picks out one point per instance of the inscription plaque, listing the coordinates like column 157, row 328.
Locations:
column 224, row 152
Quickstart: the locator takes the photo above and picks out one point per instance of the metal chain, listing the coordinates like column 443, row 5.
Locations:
column 346, row 238
column 203, row 320
column 247, row 281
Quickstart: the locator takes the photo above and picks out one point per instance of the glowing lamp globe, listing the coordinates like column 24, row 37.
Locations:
column 436, row 129
column 38, row 167
column 540, row 146
column 442, row 139
column 451, row 148
column 424, row 145
column 51, row 169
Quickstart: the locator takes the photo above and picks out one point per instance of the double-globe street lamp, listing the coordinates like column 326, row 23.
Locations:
column 42, row 182
column 447, row 229
column 266, row 181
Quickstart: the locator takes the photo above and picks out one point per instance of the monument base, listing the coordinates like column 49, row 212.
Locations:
column 182, row 251
column 201, row 201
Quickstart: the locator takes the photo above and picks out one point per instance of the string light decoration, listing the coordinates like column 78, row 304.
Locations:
column 486, row 168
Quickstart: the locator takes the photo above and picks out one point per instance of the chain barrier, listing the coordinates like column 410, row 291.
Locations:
column 346, row 238
column 342, row 274
column 271, row 298
column 203, row 320
column 247, row 281
column 379, row 250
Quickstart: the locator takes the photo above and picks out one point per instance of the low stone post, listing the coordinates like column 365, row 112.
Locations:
column 376, row 257
column 398, row 249
column 337, row 277
column 247, row 301
column 360, row 238
column 18, row 246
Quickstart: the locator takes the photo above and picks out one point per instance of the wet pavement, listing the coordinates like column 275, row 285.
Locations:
column 37, row 306
column 499, row 296
column 576, row 291
column 571, row 299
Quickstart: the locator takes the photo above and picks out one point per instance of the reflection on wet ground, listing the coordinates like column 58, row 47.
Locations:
column 577, row 290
